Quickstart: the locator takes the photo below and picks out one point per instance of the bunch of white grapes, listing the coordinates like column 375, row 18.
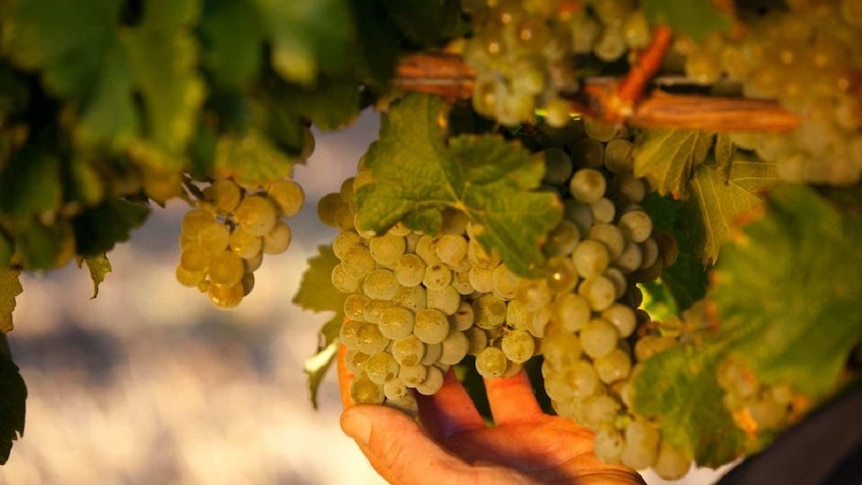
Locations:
column 523, row 51
column 223, row 240
column 807, row 56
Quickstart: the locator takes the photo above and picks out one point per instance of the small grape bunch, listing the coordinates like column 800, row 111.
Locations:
column 223, row 240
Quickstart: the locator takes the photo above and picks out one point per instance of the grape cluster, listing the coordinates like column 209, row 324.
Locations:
column 808, row 57
column 754, row 405
column 224, row 239
column 523, row 51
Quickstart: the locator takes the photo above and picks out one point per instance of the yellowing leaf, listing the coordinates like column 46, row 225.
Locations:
column 721, row 200
column 99, row 266
column 416, row 174
column 250, row 158
column 667, row 158
column 10, row 287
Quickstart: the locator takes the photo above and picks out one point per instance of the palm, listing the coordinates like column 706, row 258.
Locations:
column 525, row 445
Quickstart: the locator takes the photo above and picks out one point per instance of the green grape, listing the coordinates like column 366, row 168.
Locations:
column 489, row 311
column 613, row 367
column 636, row 225
column 408, row 351
column 603, row 210
column 463, row 317
column 598, row 338
column 562, row 277
column 611, row 236
column 582, row 380
column 432, row 383
column 591, row 258
column 355, row 360
column 253, row 263
column 225, row 194
column 256, row 214
column 588, row 152
column 409, row 270
column 451, row 249
column 628, row 187
column 370, row 339
column 244, row 244
column 188, row 278
column 461, row 283
column 396, row 322
column 649, row 253
column 446, row 299
column 481, row 279
column 671, row 463
column 344, row 281
column 374, row 309
column 506, row 283
column 538, row 322
column 381, row 367
column 561, row 349
column 622, row 317
column 194, row 220
column 358, row 261
column 585, row 31
column 535, row 294
column 226, row 269
column 454, row 347
column 412, row 375
column 608, row 445
column 354, row 306
column 387, row 249
column 287, row 195
column 562, row 239
column 599, row 130
column 213, row 237
column 599, row 411
column 641, row 445
column 414, row 297
column 518, row 346
column 587, row 185
column 277, row 240
column 432, row 354
column 479, row 257
column 247, row 283
column 364, row 391
column 599, row 291
column 578, row 213
column 331, row 209
column 571, row 312
column 631, row 258
column 437, row 276
column 380, row 284
column 349, row 333
column 431, row 325
column 226, row 297
column 491, row 363
column 610, row 45
column 395, row 390
column 517, row 314
column 425, row 250
column 477, row 340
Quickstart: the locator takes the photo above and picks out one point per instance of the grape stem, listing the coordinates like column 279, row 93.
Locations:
column 447, row 75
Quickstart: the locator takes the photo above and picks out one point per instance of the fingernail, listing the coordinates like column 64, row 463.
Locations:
column 356, row 425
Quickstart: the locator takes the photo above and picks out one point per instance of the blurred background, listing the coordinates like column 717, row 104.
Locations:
column 149, row 384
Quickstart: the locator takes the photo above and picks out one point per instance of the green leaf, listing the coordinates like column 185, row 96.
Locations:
column 10, row 287
column 97, row 230
column 99, row 267
column 678, row 389
column 250, row 158
column 697, row 18
column 415, row 175
column 722, row 199
column 667, row 157
column 232, row 40
column 308, row 38
column 316, row 293
column 30, row 185
column 13, row 397
column 43, row 247
column 791, row 283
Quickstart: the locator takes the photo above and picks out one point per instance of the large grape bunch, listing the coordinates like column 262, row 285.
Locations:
column 418, row 304
column 522, row 51
column 809, row 57
column 223, row 240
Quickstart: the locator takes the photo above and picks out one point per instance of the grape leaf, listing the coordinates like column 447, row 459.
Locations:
column 13, row 397
column 792, row 282
column 97, row 230
column 678, row 389
column 10, row 287
column 43, row 247
column 722, row 199
column 415, row 175
column 697, row 18
column 667, row 157
column 316, row 293
column 232, row 40
column 30, row 185
column 427, row 23
column 250, row 158
column 99, row 266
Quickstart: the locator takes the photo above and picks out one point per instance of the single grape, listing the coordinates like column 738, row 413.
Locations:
column 455, row 347
column 277, row 240
column 591, row 258
column 431, row 325
column 226, row 297
column 256, row 214
column 245, row 245
column 408, row 351
column 446, row 299
column 226, row 269
column 287, row 195
column 387, row 249
column 381, row 367
column 587, row 185
column 491, row 363
column 598, row 338
column 396, row 322
column 380, row 284
column 489, row 311
column 365, row 391
column 432, row 383
column 518, row 346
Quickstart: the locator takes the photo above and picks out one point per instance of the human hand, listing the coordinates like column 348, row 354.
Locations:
column 453, row 444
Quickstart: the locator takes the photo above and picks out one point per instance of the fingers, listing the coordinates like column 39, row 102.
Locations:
column 345, row 377
column 397, row 448
column 450, row 411
column 512, row 399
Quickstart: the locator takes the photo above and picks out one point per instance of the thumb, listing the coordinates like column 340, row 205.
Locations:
column 397, row 447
